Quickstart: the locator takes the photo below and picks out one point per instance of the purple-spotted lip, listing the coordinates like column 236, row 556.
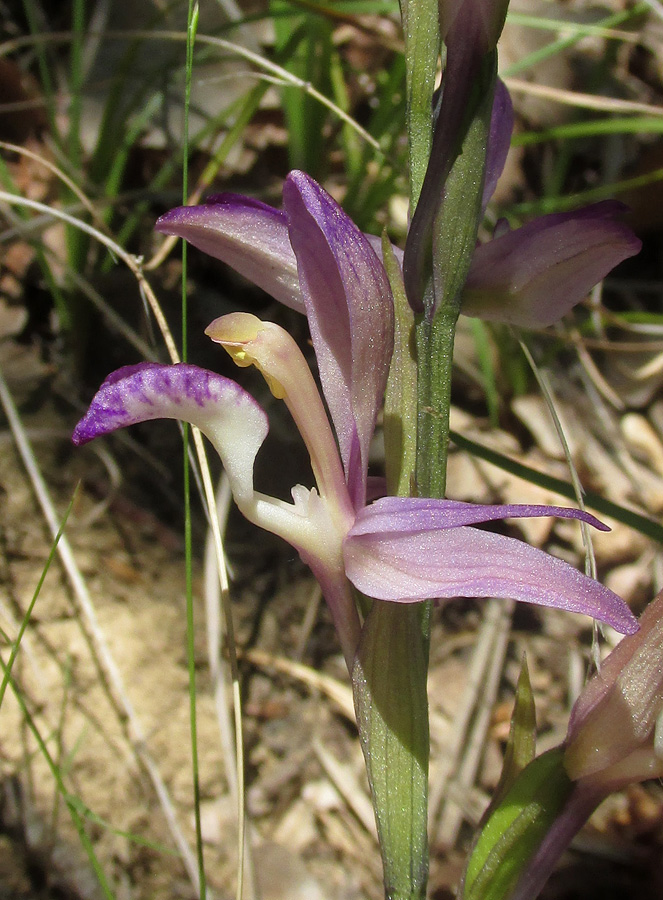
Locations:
column 146, row 391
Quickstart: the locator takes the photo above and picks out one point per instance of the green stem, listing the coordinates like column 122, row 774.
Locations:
column 435, row 342
column 390, row 674
column 192, row 26
column 389, row 680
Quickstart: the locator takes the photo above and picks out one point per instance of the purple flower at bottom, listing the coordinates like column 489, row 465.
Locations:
column 398, row 549
column 615, row 738
column 615, row 734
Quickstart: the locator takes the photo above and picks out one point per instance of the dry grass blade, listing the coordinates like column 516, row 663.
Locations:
column 339, row 694
column 346, row 784
column 584, row 101
column 261, row 62
column 489, row 637
column 63, row 177
column 593, row 372
column 453, row 812
column 132, row 262
column 546, row 390
column 656, row 7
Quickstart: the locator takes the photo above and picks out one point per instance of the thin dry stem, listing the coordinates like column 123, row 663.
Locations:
column 476, row 680
column 347, row 786
column 548, row 396
column 498, row 619
column 583, row 101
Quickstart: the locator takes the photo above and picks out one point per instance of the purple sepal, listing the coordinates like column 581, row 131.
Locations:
column 448, row 10
column 489, row 14
column 350, row 312
column 245, row 233
column 532, row 276
column 407, row 561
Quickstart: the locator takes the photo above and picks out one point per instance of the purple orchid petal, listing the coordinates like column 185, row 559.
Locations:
column 232, row 420
column 416, row 514
column 499, row 139
column 405, row 563
column 350, row 312
column 248, row 235
column 532, row 276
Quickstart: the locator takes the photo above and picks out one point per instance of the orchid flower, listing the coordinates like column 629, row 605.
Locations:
column 397, row 549
column 615, row 738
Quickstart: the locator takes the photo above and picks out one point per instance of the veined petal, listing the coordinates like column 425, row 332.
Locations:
column 407, row 566
column 410, row 515
column 534, row 275
column 248, row 235
column 232, row 420
column 350, row 312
